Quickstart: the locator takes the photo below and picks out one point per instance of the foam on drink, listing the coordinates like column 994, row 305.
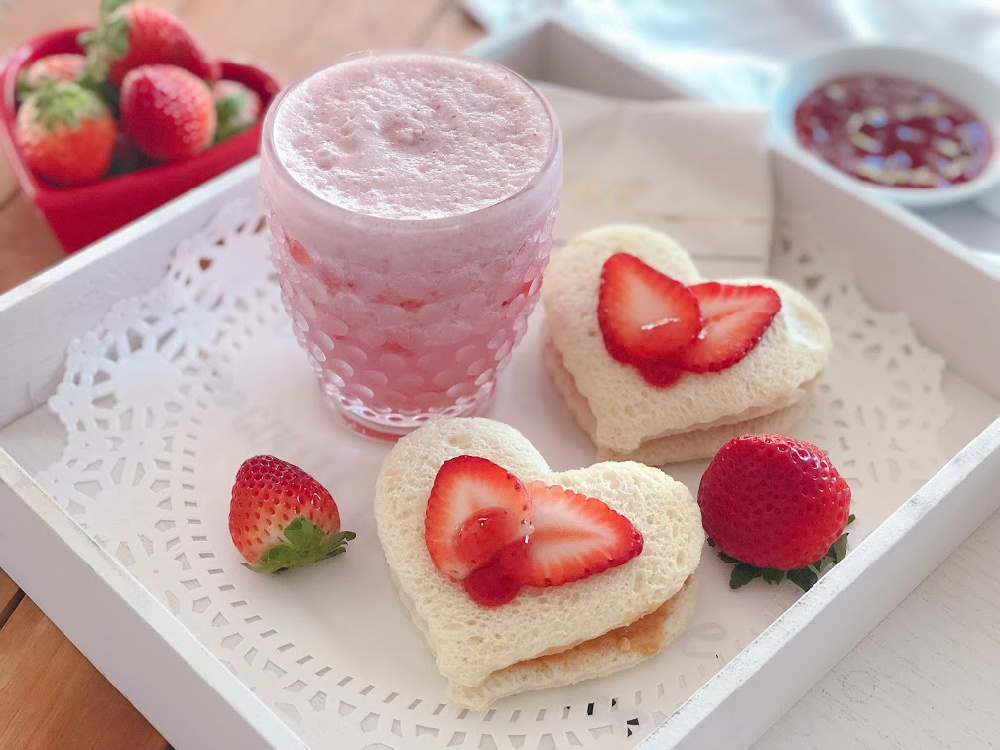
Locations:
column 413, row 136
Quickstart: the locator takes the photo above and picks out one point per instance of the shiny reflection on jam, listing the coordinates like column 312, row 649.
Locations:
column 893, row 132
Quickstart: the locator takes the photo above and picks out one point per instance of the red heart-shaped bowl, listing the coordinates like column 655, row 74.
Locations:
column 80, row 215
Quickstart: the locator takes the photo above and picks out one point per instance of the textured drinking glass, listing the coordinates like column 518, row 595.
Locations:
column 408, row 316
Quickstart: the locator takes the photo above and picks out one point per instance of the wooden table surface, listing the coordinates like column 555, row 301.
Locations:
column 50, row 695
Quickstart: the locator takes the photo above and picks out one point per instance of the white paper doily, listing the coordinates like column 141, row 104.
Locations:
column 165, row 399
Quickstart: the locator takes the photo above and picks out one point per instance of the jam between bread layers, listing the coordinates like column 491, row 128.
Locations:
column 665, row 328
column 495, row 535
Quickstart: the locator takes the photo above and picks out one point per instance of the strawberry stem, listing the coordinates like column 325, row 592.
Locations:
column 107, row 42
column 307, row 543
column 110, row 6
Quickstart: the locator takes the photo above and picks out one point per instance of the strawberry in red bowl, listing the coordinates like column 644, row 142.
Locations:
column 167, row 111
column 66, row 134
column 136, row 181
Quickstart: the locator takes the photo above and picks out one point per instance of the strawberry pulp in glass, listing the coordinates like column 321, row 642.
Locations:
column 411, row 197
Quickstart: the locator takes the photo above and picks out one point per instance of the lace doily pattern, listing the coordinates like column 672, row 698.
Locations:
column 163, row 399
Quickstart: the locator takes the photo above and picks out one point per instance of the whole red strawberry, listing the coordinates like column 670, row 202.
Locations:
column 772, row 503
column 66, row 134
column 52, row 68
column 280, row 517
column 135, row 34
column 167, row 111
column 236, row 108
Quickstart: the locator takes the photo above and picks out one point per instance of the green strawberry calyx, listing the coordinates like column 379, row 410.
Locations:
column 104, row 44
column 231, row 116
column 23, row 88
column 804, row 577
column 67, row 103
column 27, row 85
column 307, row 543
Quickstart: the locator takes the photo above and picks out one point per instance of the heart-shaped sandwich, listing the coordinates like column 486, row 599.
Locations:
column 520, row 577
column 659, row 365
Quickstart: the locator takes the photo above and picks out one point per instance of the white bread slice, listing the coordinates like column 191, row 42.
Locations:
column 685, row 446
column 628, row 411
column 471, row 642
column 612, row 652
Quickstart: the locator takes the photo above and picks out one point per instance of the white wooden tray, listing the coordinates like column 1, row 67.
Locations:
column 196, row 702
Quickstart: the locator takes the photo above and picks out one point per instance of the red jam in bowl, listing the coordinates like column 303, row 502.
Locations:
column 893, row 132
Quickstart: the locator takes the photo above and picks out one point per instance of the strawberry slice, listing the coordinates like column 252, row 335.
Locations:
column 735, row 318
column 490, row 585
column 575, row 537
column 644, row 314
column 660, row 372
column 475, row 509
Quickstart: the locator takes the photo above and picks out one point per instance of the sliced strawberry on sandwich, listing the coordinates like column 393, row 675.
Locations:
column 660, row 372
column 735, row 318
column 475, row 509
column 644, row 315
column 574, row 537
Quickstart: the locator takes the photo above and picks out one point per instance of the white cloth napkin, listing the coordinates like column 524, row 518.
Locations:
column 731, row 50
column 690, row 169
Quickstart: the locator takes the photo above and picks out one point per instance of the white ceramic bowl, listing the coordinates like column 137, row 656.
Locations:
column 966, row 83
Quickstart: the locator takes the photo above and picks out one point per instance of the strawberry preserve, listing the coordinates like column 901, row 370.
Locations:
column 893, row 132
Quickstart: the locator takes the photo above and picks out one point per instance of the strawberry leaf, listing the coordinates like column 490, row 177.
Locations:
column 230, row 114
column 307, row 543
column 280, row 553
column 268, row 568
column 103, row 44
column 334, row 545
column 116, row 37
column 773, row 576
column 303, row 534
column 742, row 574
column 23, row 87
column 278, row 558
column 66, row 103
column 838, row 550
column 836, row 553
column 804, row 578
column 110, row 6
column 231, row 106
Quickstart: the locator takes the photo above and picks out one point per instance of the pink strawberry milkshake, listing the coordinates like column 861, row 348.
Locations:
column 411, row 199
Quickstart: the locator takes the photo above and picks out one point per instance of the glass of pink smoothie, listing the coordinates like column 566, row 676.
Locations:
column 411, row 197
